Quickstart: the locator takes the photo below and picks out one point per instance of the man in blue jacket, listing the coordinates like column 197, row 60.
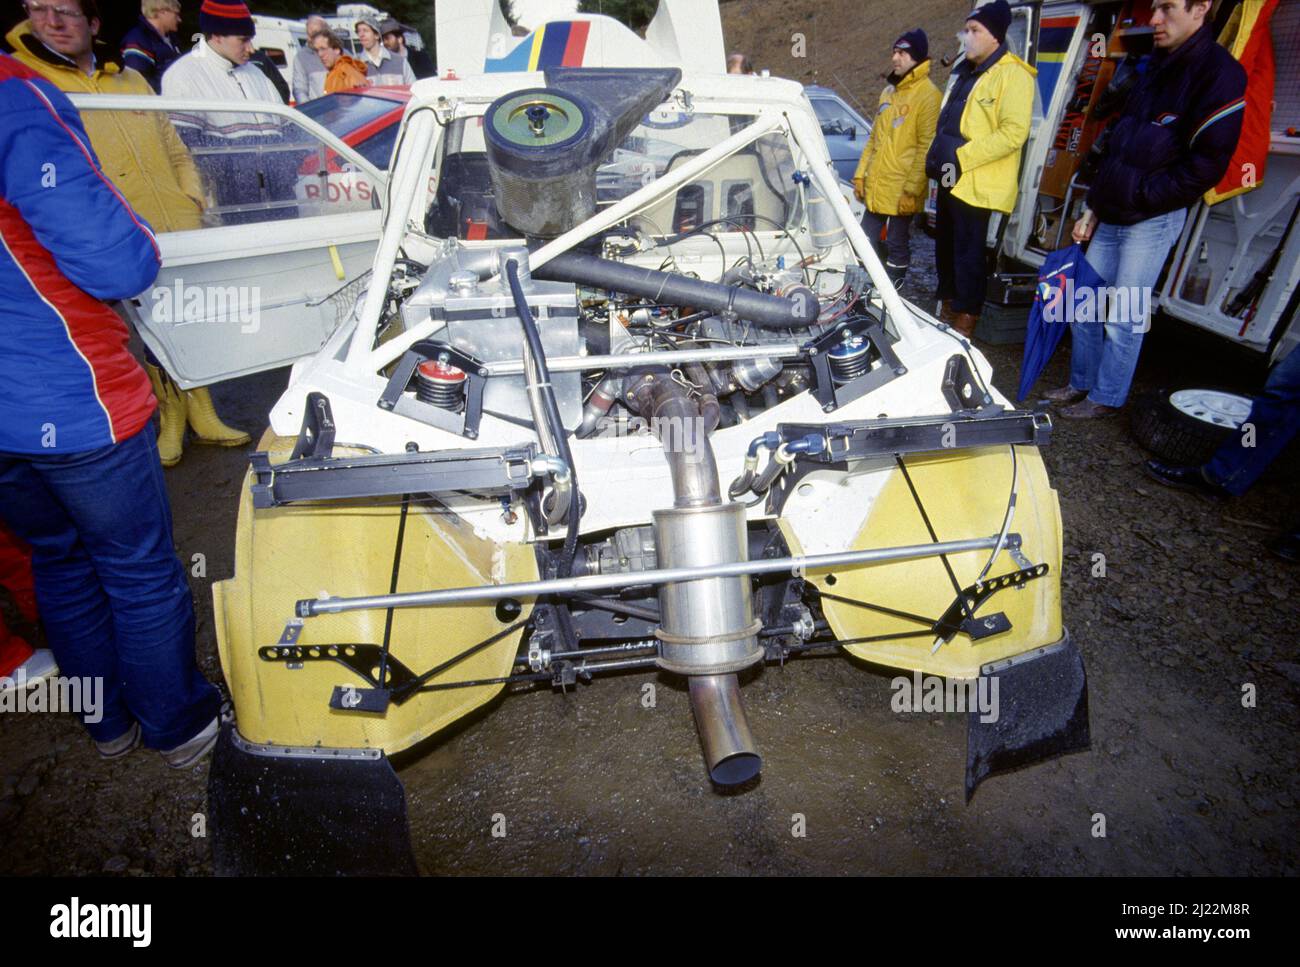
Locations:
column 1172, row 142
column 80, row 479
column 150, row 46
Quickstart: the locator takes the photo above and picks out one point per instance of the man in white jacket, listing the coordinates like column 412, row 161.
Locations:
column 253, row 185
column 217, row 69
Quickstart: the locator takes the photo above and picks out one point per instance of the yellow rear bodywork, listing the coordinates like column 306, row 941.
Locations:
column 965, row 495
column 285, row 554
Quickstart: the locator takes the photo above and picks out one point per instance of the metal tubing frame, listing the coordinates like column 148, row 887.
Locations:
column 666, row 357
column 766, row 122
column 312, row 607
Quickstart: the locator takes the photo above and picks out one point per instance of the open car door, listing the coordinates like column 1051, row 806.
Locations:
column 290, row 222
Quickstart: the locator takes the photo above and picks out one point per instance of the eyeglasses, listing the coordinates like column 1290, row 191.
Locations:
column 35, row 10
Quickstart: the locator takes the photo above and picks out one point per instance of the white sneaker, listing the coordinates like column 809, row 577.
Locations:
column 188, row 753
column 120, row 746
column 40, row 666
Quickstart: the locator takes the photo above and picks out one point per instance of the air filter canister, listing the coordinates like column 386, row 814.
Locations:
column 532, row 137
column 544, row 144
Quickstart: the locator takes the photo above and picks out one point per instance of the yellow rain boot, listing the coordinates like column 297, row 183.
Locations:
column 171, row 415
column 207, row 425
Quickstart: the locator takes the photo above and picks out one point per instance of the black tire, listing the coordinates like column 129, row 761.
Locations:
column 1171, row 435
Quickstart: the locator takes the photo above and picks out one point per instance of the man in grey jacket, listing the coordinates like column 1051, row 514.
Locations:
column 308, row 72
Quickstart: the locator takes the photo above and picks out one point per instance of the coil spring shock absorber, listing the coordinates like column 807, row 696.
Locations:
column 440, row 384
column 850, row 359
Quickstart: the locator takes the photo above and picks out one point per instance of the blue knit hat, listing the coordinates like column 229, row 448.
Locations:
column 995, row 16
column 916, row 43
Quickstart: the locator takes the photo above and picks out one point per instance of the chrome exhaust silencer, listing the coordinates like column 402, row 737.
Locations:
column 707, row 628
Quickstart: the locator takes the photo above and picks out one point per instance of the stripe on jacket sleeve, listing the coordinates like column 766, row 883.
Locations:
column 1228, row 109
column 90, row 160
column 67, row 329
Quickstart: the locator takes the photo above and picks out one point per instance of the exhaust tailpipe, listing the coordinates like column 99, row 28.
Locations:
column 707, row 628
column 728, row 745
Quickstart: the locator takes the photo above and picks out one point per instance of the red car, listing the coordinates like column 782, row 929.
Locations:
column 365, row 118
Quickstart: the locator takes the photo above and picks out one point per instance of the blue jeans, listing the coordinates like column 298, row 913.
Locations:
column 1275, row 415
column 112, row 594
column 1129, row 258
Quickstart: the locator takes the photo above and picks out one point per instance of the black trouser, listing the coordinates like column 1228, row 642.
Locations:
column 959, row 254
column 896, row 251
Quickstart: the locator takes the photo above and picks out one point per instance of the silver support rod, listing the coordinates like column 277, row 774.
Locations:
column 671, row 357
column 311, row 607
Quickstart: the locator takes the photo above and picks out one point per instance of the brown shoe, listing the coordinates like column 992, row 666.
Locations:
column 1065, row 395
column 965, row 323
column 1088, row 410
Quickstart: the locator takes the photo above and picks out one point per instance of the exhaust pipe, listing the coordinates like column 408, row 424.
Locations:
column 729, row 748
column 707, row 627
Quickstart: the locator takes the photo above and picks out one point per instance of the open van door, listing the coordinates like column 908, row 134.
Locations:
column 289, row 229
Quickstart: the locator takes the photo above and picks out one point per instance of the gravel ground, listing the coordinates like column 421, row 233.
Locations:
column 1186, row 778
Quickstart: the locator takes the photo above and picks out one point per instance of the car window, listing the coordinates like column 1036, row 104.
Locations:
column 344, row 113
column 835, row 118
column 241, row 166
column 378, row 148
column 754, row 186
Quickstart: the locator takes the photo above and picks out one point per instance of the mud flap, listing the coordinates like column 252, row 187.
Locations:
column 1042, row 712
column 305, row 815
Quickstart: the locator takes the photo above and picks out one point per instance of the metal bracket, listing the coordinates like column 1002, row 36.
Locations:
column 316, row 438
column 358, row 658
column 961, row 388
column 395, row 398
column 885, row 364
column 863, row 439
column 486, row 472
column 859, row 439
column 960, row 616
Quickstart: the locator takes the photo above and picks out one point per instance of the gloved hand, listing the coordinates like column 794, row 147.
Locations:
column 860, row 190
column 907, row 204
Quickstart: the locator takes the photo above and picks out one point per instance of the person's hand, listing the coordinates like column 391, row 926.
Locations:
column 1085, row 226
column 907, row 204
column 859, row 190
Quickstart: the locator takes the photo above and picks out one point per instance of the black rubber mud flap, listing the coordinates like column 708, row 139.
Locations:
column 282, row 816
column 1042, row 704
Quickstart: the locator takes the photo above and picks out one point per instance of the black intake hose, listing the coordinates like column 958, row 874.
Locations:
column 797, row 310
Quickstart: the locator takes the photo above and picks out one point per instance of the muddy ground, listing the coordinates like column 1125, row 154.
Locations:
column 1188, row 780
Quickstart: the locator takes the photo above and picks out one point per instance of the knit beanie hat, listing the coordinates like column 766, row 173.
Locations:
column 915, row 43
column 226, row 19
column 995, row 16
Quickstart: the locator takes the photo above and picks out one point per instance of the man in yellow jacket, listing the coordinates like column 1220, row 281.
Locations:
column 890, row 179
column 975, row 158
column 142, row 154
